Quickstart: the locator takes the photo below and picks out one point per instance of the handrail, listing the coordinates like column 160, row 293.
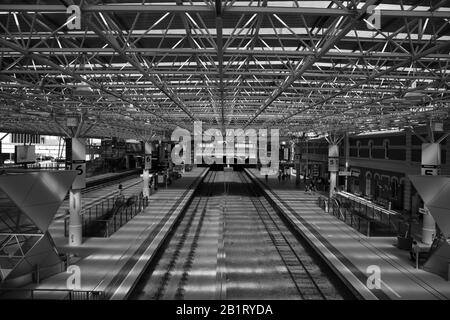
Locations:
column 360, row 215
column 69, row 293
column 37, row 165
column 366, row 202
column 125, row 212
column 114, row 194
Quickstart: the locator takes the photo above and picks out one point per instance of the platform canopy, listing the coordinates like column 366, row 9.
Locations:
column 148, row 66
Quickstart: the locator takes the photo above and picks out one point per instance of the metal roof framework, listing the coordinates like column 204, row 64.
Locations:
column 147, row 67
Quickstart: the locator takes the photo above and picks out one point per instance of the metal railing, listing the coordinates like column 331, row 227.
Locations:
column 122, row 215
column 364, row 217
column 59, row 294
column 368, row 209
column 361, row 224
column 323, row 203
column 37, row 165
column 105, row 218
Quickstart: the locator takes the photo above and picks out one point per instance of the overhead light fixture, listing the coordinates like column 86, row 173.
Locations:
column 39, row 113
column 82, row 89
column 415, row 96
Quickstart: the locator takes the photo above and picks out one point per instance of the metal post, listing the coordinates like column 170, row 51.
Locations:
column 333, row 166
column 431, row 161
column 75, row 221
column 78, row 163
column 147, row 166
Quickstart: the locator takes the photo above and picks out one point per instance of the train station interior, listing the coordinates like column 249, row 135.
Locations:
column 224, row 150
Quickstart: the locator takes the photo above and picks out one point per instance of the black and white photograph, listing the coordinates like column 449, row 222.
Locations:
column 232, row 158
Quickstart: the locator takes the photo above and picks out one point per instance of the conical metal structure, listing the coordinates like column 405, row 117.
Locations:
column 28, row 204
column 435, row 191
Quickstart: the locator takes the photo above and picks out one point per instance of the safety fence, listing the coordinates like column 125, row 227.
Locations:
column 53, row 294
column 36, row 165
column 366, row 218
column 106, row 217
column 324, row 203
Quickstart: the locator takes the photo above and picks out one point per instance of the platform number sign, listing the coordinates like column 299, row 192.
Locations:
column 79, row 166
column 430, row 170
column 431, row 159
column 148, row 161
column 79, row 163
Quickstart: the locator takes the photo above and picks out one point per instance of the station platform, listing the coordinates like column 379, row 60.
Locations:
column 112, row 265
column 348, row 252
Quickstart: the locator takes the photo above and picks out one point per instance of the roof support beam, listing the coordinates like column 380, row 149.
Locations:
column 65, row 71
column 200, row 64
column 109, row 38
column 225, row 52
column 330, row 41
column 372, row 77
column 332, row 12
column 219, row 27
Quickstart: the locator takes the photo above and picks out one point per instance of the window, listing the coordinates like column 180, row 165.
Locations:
column 370, row 148
column 24, row 138
column 386, row 148
column 394, row 187
column 368, row 184
column 358, row 147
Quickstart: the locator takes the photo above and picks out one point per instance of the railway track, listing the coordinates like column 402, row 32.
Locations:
column 185, row 241
column 310, row 282
column 231, row 244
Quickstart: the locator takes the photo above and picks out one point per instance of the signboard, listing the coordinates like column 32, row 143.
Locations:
column 431, row 159
column 333, row 158
column 25, row 154
column 430, row 170
column 438, row 126
column 72, row 122
column 315, row 170
column 148, row 161
column 333, row 164
column 345, row 173
column 355, row 173
column 78, row 163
